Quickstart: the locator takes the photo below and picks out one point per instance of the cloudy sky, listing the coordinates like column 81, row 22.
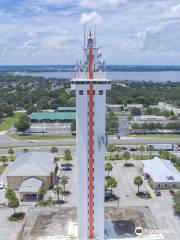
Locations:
column 51, row 31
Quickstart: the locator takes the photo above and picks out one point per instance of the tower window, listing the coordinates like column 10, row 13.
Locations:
column 100, row 92
column 80, row 92
column 88, row 92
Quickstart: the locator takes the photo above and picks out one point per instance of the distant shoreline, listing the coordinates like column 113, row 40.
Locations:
column 156, row 76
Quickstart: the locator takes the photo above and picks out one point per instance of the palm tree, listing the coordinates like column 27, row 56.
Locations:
column 126, row 156
column 11, row 152
column 67, row 155
column 63, row 182
column 42, row 192
column 141, row 149
column 150, row 148
column 111, row 148
column 118, row 149
column 58, row 191
column 138, row 181
column 108, row 167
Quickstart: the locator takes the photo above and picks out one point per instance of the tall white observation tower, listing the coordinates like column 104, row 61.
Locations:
column 90, row 84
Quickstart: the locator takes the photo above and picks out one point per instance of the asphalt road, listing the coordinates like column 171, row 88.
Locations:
column 6, row 141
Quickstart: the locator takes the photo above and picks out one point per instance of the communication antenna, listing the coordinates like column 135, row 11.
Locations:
column 94, row 37
column 84, row 35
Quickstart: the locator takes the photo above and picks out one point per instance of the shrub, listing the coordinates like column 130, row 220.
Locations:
column 54, row 149
column 17, row 216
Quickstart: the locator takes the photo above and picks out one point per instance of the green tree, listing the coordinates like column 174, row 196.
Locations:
column 58, row 191
column 111, row 183
column 164, row 154
column 150, row 148
column 9, row 193
column 23, row 124
column 73, row 126
column 135, row 111
column 13, row 201
column 138, row 181
column 108, row 167
column 111, row 123
column 64, row 182
column 126, row 156
column 42, row 192
column 25, row 150
column 67, row 155
column 177, row 202
column 54, row 149
column 135, row 127
column 11, row 152
column 141, row 149
column 4, row 159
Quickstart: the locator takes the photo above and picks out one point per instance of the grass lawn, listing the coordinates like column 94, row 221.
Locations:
column 157, row 135
column 2, row 168
column 41, row 137
column 9, row 122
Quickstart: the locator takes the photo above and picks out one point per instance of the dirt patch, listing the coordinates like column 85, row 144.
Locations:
column 54, row 222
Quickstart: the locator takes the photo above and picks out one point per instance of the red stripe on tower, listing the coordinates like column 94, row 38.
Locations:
column 91, row 147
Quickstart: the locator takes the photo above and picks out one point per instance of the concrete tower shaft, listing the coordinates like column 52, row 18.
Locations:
column 90, row 85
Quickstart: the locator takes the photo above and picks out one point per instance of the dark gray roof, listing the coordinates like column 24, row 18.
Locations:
column 31, row 185
column 32, row 164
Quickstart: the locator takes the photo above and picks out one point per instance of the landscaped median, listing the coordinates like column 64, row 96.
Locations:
column 41, row 136
column 156, row 135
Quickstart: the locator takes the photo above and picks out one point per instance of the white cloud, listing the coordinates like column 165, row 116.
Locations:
column 173, row 12
column 101, row 3
column 92, row 18
column 37, row 30
column 55, row 42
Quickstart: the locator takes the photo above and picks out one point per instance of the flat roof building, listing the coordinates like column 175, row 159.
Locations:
column 150, row 118
column 66, row 109
column 162, row 173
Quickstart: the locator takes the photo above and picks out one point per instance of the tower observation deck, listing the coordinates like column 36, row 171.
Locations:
column 90, row 84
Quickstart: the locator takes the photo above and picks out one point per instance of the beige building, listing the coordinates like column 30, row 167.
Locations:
column 29, row 172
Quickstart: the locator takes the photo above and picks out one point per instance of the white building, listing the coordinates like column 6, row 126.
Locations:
column 161, row 173
column 90, row 85
column 150, row 119
column 169, row 107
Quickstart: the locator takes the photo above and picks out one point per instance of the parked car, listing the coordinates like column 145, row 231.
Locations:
column 66, row 168
column 2, row 185
column 133, row 149
column 157, row 193
column 172, row 192
column 65, row 165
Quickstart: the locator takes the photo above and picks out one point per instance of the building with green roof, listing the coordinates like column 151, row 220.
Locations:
column 53, row 116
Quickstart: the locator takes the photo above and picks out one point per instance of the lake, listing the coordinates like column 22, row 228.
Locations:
column 161, row 76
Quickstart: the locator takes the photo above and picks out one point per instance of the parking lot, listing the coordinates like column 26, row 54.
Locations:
column 53, row 128
column 160, row 207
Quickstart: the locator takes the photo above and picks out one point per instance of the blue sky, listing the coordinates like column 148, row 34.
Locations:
column 51, row 31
